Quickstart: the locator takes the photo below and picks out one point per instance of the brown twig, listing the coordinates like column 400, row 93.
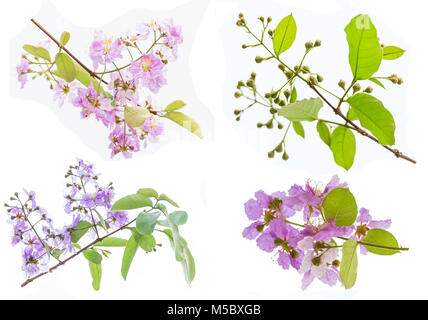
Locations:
column 59, row 44
column 29, row 280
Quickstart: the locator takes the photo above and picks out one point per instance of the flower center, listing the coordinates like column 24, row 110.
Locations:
column 107, row 43
column 146, row 64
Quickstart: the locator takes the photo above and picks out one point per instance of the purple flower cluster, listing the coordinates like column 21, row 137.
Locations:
column 309, row 247
column 145, row 73
column 33, row 229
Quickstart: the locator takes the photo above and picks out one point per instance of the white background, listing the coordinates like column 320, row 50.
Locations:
column 211, row 179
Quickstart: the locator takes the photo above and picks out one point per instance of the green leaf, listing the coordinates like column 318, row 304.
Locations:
column 164, row 197
column 185, row 121
column 374, row 117
column 39, row 52
column 392, row 52
column 324, row 132
column 303, row 110
column 93, row 256
column 147, row 243
column 176, row 105
column 182, row 253
column 56, row 253
column 136, row 116
column 65, row 67
column 146, row 222
column 293, row 97
column 65, row 37
column 380, row 237
column 298, row 128
column 177, row 217
column 365, row 52
column 285, row 34
column 343, row 147
column 96, row 273
column 128, row 256
column 80, row 230
column 352, row 115
column 376, row 81
column 86, row 79
column 147, row 193
column 349, row 264
column 112, row 242
column 131, row 202
column 340, row 206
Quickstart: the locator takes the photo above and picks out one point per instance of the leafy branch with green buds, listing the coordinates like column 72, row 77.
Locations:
column 356, row 110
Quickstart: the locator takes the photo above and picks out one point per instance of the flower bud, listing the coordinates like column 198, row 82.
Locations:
column 262, row 19
column 238, row 94
column 289, row 74
column 259, row 59
column 240, row 84
column 271, row 154
column 259, row 125
column 281, row 103
column 278, row 242
column 269, row 125
column 356, row 87
column 250, row 83
column 309, row 45
column 280, row 126
column 281, row 67
column 279, row 148
column 317, row 43
column 285, row 156
column 268, row 95
column 287, row 93
column 273, row 110
column 237, row 112
column 336, row 263
column 269, row 19
column 342, row 84
column 320, row 78
column 368, row 90
column 270, row 32
column 276, row 101
column 399, row 81
column 244, row 46
column 306, row 69
column 253, row 75
column 260, row 227
column 238, row 119
column 316, row 261
column 294, row 254
column 240, row 15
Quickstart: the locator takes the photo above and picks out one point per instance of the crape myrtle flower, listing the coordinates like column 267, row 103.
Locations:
column 22, row 69
column 104, row 49
column 149, row 70
column 62, row 90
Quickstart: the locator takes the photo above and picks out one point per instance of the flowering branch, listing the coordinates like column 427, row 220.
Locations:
column 310, row 247
column 118, row 103
column 363, row 107
column 85, row 200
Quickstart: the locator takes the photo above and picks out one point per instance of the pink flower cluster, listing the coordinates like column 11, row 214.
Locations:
column 130, row 82
column 308, row 247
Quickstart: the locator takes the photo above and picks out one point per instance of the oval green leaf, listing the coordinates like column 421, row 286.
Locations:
column 374, row 117
column 79, row 231
column 365, row 52
column 343, row 147
column 285, row 34
column 147, row 193
column 136, row 116
column 38, row 52
column 324, row 132
column 96, row 273
column 128, row 256
column 65, row 37
column 303, row 110
column 380, row 237
column 131, row 202
column 146, row 222
column 176, row 105
column 112, row 242
column 298, row 128
column 340, row 206
column 349, row 264
column 93, row 256
column 184, row 121
column 392, row 52
column 164, row 197
column 65, row 66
